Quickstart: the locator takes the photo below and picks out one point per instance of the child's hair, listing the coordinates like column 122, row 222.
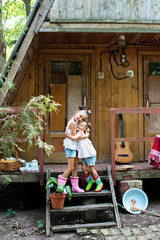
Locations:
column 88, row 126
column 84, row 108
column 84, row 112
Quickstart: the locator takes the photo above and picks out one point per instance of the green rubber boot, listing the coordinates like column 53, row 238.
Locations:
column 99, row 183
column 88, row 178
column 89, row 185
column 99, row 187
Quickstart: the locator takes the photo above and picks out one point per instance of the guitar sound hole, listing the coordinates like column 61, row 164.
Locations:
column 122, row 145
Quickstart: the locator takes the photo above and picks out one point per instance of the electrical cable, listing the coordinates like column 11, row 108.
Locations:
column 110, row 61
column 125, row 64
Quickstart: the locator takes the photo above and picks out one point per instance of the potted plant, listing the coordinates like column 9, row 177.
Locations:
column 58, row 196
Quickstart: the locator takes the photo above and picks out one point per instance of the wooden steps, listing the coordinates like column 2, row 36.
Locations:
column 104, row 192
column 100, row 206
column 105, row 201
column 65, row 228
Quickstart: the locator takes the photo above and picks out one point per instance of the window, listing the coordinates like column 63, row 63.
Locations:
column 154, row 68
column 75, row 68
column 57, row 67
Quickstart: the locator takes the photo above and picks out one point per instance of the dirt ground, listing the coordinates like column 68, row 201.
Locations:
column 23, row 224
column 29, row 224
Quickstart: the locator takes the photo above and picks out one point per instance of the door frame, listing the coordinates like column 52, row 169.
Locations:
column 141, row 79
column 67, row 56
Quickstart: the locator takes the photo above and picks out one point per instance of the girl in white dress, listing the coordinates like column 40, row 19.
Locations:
column 87, row 152
column 71, row 152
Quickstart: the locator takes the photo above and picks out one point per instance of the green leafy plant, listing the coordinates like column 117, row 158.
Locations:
column 14, row 18
column 121, row 205
column 41, row 226
column 7, row 181
column 10, row 212
column 52, row 183
column 28, row 124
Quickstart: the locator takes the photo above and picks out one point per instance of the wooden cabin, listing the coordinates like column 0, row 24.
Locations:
column 101, row 54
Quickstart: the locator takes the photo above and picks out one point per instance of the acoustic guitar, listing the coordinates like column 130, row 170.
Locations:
column 123, row 154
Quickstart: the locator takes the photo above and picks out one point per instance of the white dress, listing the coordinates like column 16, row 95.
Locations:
column 68, row 143
column 85, row 148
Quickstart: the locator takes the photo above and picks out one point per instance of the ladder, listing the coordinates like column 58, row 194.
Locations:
column 106, row 193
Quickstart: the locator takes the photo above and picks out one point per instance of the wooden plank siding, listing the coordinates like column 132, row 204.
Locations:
column 105, row 93
column 105, row 10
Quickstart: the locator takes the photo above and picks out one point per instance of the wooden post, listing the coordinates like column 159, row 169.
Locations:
column 113, row 145
column 41, row 157
column 114, row 200
column 48, row 207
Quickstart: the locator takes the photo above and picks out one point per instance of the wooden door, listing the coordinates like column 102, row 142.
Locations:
column 151, row 98
column 66, row 79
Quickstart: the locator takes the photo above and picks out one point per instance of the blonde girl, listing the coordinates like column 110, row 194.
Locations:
column 71, row 152
column 87, row 152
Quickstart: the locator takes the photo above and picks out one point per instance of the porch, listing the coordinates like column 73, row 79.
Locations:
column 140, row 170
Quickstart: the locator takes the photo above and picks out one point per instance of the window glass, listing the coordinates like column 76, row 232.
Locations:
column 57, row 67
column 74, row 68
column 154, row 68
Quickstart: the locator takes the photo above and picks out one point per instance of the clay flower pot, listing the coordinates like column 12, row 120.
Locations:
column 57, row 201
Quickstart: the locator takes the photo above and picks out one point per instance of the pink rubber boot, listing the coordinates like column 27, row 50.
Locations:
column 62, row 181
column 75, row 185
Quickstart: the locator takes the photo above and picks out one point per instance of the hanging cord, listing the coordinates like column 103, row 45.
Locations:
column 110, row 61
column 114, row 53
column 124, row 64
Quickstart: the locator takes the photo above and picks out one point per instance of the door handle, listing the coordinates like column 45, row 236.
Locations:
column 84, row 101
column 147, row 115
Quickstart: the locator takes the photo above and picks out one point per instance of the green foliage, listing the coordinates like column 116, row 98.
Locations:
column 69, row 192
column 121, row 205
column 41, row 226
column 26, row 125
column 7, row 181
column 10, row 212
column 14, row 17
column 52, row 183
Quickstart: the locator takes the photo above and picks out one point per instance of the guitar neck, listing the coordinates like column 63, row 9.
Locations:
column 121, row 129
column 121, row 126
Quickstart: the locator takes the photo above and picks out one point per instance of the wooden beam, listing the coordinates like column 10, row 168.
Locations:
column 134, row 139
column 19, row 177
column 138, row 174
column 114, row 197
column 45, row 12
column 100, row 206
column 99, row 27
column 23, row 49
column 61, row 228
column 143, row 110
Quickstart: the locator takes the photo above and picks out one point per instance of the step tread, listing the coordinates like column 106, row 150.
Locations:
column 99, row 206
column 104, row 192
column 102, row 176
column 86, row 225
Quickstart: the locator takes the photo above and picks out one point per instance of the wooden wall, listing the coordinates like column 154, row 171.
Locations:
column 112, row 93
column 108, row 10
column 106, row 93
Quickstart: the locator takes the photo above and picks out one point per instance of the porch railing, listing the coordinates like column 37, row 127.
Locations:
column 116, row 111
column 11, row 110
